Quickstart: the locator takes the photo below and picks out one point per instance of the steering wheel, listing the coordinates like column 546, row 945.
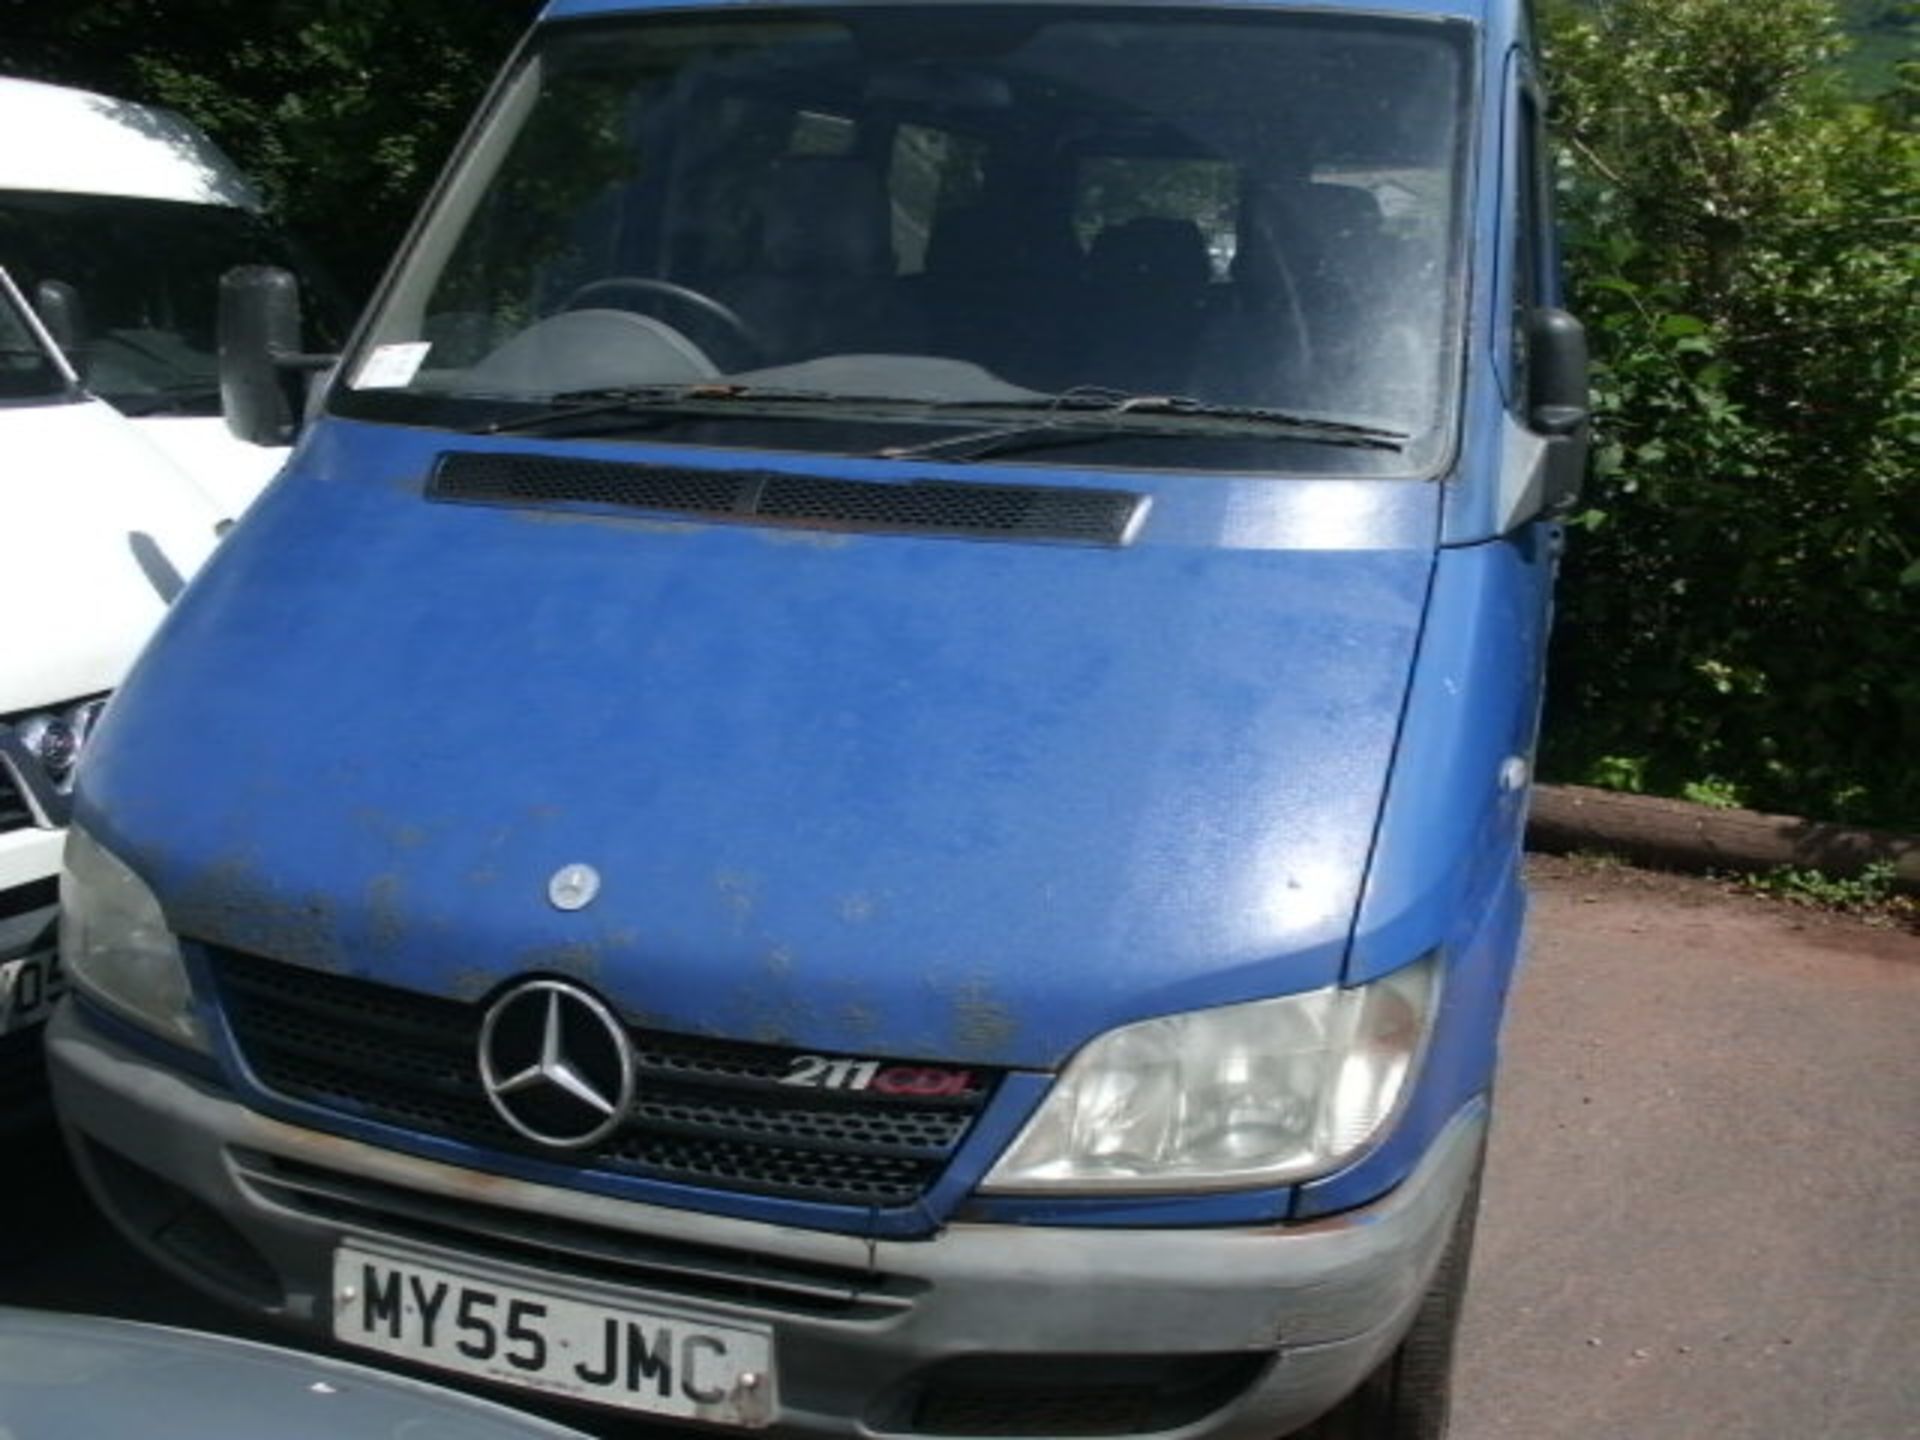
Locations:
column 598, row 293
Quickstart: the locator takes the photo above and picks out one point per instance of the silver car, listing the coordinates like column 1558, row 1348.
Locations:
column 75, row 1377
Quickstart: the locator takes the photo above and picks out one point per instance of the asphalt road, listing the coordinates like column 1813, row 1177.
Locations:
column 1699, row 1215
column 1701, row 1212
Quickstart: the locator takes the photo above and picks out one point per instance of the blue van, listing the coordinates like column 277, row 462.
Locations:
column 867, row 776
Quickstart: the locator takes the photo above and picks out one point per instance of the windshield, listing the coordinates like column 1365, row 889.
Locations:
column 27, row 371
column 135, row 288
column 956, row 205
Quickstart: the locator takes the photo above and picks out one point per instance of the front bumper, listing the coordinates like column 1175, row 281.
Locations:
column 28, row 855
column 1212, row 1333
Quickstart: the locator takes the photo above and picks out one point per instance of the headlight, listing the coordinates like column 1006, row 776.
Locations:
column 55, row 738
column 116, row 944
column 1262, row 1094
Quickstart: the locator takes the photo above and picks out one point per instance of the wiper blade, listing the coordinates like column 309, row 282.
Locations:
column 1100, row 400
column 1089, row 413
column 1076, row 416
column 701, row 398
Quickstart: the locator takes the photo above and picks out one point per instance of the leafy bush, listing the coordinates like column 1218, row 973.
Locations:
column 1741, row 610
column 342, row 109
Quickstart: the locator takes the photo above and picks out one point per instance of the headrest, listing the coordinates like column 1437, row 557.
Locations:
column 971, row 241
column 1151, row 250
column 826, row 216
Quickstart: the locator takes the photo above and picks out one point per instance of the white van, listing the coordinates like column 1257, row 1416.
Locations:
column 98, row 530
column 117, row 221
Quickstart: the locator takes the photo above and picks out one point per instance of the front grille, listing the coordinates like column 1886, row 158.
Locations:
column 25, row 900
column 14, row 814
column 940, row 508
column 710, row 1113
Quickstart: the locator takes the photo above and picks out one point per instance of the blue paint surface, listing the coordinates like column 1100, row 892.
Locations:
column 873, row 794
column 869, row 794
column 1446, row 871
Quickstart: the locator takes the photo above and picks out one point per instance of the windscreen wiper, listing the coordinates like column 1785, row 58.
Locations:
column 570, row 407
column 1088, row 413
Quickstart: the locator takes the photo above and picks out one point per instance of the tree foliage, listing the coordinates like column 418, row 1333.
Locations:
column 341, row 109
column 1885, row 33
column 1740, row 612
column 1741, row 616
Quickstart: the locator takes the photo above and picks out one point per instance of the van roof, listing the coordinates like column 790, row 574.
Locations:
column 97, row 145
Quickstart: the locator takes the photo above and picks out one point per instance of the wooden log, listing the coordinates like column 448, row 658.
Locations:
column 1684, row 836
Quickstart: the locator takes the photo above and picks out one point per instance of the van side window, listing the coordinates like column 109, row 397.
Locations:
column 1529, row 231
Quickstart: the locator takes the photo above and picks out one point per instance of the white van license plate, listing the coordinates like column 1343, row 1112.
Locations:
column 28, row 988
column 647, row 1359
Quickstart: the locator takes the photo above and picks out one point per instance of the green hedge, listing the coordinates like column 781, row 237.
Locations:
column 1740, row 612
column 1741, row 606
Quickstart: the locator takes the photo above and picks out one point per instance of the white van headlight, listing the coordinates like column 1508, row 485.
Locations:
column 116, row 945
column 1266, row 1093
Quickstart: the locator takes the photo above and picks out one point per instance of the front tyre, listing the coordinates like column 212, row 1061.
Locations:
column 1409, row 1396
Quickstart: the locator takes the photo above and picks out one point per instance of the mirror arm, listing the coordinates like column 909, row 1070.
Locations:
column 1555, row 421
column 302, row 360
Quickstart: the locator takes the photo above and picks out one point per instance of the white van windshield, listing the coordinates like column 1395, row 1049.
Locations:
column 138, row 285
column 955, row 205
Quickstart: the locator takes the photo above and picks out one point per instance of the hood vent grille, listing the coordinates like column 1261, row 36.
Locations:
column 953, row 509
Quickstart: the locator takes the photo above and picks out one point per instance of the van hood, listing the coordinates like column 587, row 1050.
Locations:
column 875, row 795
column 231, row 471
column 100, row 531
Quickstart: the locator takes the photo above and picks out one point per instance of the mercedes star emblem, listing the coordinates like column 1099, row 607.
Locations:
column 573, row 887
column 556, row 1064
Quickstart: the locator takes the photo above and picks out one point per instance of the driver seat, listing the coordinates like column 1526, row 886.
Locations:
column 824, row 283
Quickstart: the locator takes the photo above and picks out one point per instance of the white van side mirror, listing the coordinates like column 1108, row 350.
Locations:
column 261, row 363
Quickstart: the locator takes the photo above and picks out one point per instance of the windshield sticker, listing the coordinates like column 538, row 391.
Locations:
column 391, row 367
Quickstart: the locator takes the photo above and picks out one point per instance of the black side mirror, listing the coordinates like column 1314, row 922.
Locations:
column 1558, row 406
column 58, row 305
column 261, row 363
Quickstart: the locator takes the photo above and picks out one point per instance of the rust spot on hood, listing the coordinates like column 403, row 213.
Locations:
column 386, row 915
column 739, row 892
column 578, row 959
column 471, row 982
column 857, row 909
column 858, row 1020
column 805, row 536
column 230, row 903
column 602, row 521
column 982, row 1025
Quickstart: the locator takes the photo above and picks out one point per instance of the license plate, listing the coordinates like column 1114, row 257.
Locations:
column 28, row 988
column 543, row 1337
